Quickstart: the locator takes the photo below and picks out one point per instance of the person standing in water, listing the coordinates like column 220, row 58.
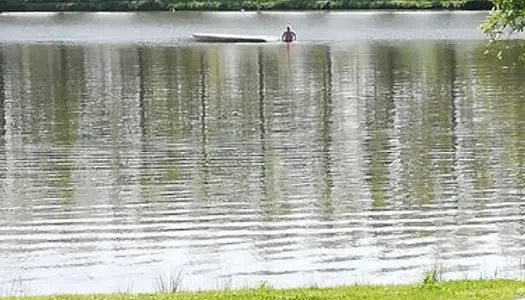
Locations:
column 288, row 35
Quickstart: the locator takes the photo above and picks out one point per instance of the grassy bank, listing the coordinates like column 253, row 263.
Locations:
column 452, row 290
column 138, row 5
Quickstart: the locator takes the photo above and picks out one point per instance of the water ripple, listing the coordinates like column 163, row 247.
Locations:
column 318, row 163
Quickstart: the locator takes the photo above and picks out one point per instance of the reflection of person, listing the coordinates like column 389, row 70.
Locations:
column 288, row 35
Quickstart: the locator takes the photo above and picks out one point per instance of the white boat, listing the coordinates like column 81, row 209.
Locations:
column 233, row 38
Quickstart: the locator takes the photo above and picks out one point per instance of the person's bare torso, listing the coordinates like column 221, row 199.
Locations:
column 288, row 36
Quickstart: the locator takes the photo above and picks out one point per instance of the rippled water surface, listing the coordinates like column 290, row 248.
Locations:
column 331, row 161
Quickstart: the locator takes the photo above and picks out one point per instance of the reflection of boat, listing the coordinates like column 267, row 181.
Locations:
column 233, row 38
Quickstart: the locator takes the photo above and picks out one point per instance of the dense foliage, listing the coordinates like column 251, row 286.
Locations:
column 508, row 16
column 120, row 5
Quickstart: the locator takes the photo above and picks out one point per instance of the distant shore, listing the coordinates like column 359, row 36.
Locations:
column 236, row 5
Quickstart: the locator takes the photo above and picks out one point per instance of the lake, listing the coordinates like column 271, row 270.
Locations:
column 379, row 146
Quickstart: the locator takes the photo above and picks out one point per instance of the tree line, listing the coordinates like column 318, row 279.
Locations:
column 132, row 5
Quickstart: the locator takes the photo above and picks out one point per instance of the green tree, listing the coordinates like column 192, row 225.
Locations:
column 506, row 16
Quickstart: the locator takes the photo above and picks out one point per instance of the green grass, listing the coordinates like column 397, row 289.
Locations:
column 442, row 290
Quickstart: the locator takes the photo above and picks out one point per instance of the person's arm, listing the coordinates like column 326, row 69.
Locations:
column 294, row 36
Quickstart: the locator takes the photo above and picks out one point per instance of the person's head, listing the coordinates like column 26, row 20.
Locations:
column 288, row 28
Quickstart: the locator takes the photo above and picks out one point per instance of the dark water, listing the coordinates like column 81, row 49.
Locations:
column 326, row 163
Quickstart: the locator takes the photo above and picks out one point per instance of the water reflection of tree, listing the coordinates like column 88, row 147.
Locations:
column 161, row 110
column 424, row 107
column 324, row 153
column 52, row 84
column 3, row 158
column 65, row 100
column 326, row 134
column 268, row 243
column 267, row 177
column 68, row 81
column 443, row 95
column 2, row 99
column 504, row 77
column 145, row 179
column 262, row 126
column 448, row 139
column 379, row 122
column 428, row 135
column 203, row 126
column 433, row 138
column 175, row 125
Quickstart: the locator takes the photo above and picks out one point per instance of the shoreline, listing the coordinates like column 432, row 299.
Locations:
column 429, row 288
column 254, row 5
